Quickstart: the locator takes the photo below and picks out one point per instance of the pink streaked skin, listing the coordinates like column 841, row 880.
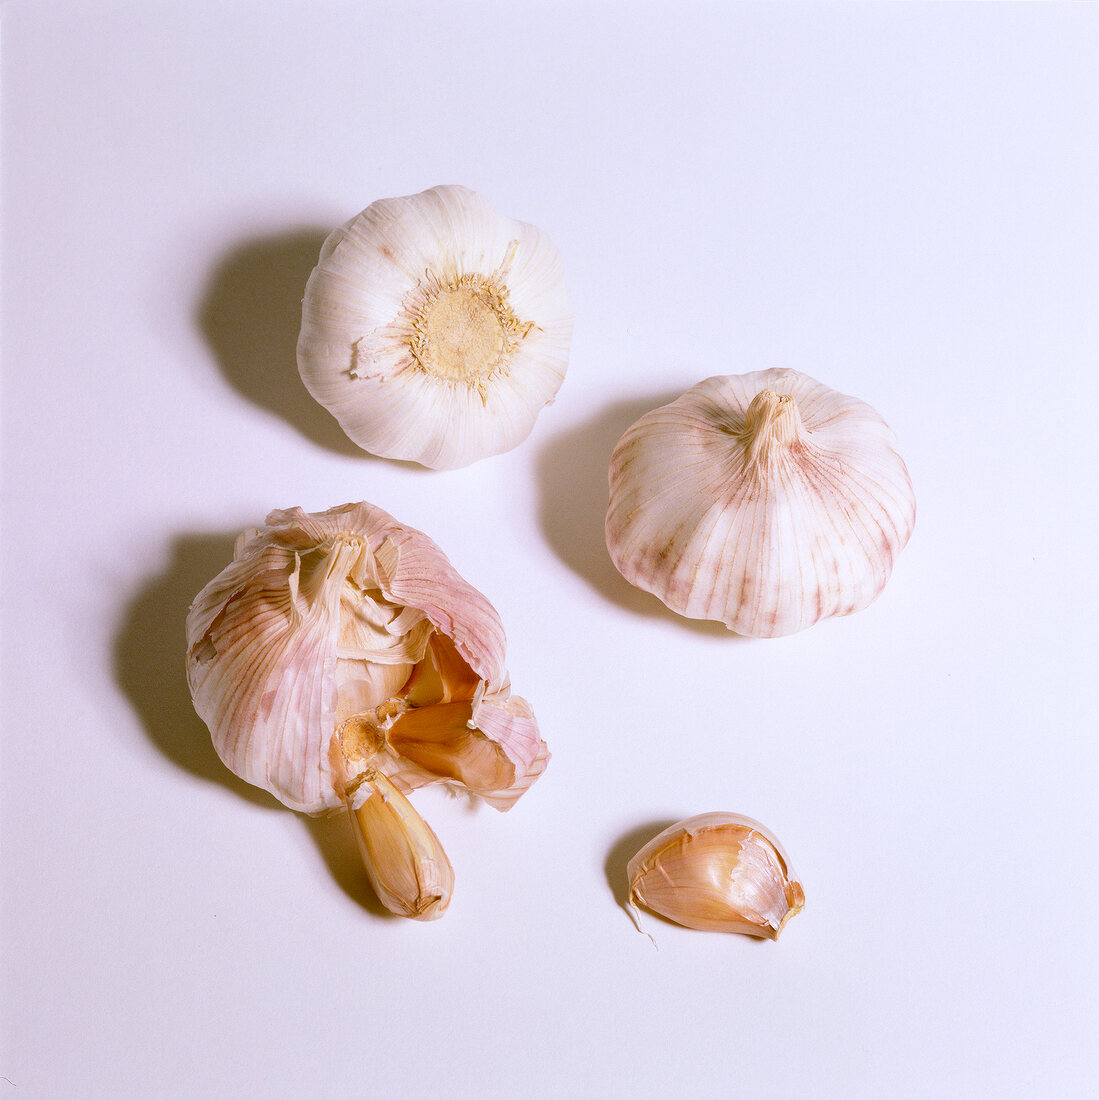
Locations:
column 345, row 615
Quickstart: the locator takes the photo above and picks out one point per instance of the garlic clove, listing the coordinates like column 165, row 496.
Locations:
column 442, row 677
column 435, row 329
column 717, row 872
column 442, row 740
column 307, row 649
column 767, row 501
column 402, row 855
column 487, row 746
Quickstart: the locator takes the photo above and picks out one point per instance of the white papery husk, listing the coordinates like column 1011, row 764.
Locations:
column 366, row 295
column 343, row 641
column 770, row 526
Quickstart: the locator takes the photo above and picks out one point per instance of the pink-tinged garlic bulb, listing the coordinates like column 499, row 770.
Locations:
column 341, row 646
column 717, row 872
column 766, row 501
column 435, row 329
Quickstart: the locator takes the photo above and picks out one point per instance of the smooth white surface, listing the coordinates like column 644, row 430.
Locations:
column 899, row 200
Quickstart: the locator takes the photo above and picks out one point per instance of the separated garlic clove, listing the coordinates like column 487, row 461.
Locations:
column 767, row 501
column 343, row 640
column 402, row 855
column 717, row 872
column 435, row 329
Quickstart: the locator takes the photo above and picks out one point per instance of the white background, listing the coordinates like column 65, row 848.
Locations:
column 898, row 200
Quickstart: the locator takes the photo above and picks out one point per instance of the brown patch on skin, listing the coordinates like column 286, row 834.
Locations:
column 363, row 736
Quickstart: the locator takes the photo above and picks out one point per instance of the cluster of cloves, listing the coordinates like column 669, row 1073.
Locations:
column 340, row 661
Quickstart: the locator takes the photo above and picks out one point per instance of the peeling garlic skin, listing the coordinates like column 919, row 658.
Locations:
column 766, row 501
column 343, row 642
column 717, row 872
column 435, row 329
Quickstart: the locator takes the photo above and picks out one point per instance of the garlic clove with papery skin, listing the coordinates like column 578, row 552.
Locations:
column 767, row 501
column 435, row 329
column 717, row 872
column 402, row 855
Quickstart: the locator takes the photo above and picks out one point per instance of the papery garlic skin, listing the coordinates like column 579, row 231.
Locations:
column 717, row 872
column 766, row 501
column 435, row 329
column 402, row 855
column 343, row 641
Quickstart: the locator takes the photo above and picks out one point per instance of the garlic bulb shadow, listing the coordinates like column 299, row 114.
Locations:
column 622, row 851
column 148, row 661
column 250, row 316
column 336, row 844
column 573, row 498
column 149, row 668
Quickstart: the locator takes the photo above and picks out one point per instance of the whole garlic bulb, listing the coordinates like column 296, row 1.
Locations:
column 435, row 329
column 717, row 872
column 765, row 500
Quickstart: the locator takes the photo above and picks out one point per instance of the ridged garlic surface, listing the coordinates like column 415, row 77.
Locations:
column 435, row 329
column 342, row 643
column 717, row 872
column 766, row 501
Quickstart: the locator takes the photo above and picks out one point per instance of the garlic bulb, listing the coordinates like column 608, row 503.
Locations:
column 435, row 329
column 342, row 646
column 717, row 872
column 765, row 500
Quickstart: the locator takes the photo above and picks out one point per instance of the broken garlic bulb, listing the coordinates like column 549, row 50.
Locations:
column 342, row 646
column 717, row 872
column 435, row 329
column 765, row 500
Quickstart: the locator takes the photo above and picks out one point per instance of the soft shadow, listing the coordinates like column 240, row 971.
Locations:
column 623, row 850
column 572, row 477
column 250, row 315
column 149, row 663
column 150, row 669
column 335, row 840
column 336, row 844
